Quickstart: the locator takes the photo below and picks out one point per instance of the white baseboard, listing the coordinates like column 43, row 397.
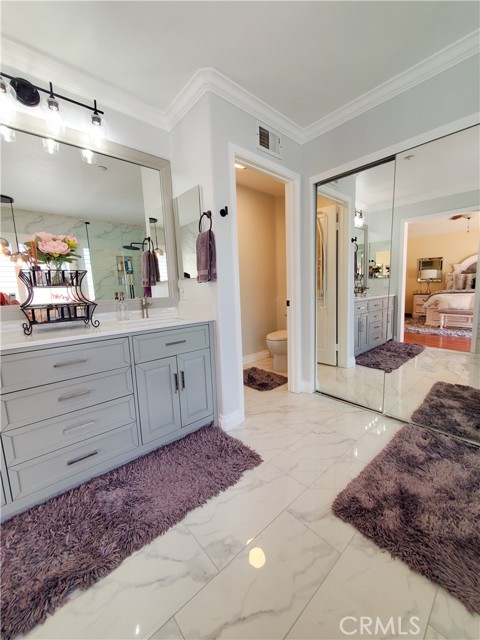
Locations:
column 231, row 420
column 307, row 386
column 253, row 357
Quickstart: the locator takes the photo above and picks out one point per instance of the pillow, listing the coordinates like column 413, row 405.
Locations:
column 470, row 281
column 449, row 282
column 460, row 279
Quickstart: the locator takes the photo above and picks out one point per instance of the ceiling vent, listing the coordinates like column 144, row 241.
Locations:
column 269, row 141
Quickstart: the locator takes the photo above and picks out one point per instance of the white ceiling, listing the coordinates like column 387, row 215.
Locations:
column 306, row 60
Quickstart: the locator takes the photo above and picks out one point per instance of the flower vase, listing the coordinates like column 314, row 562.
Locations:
column 56, row 273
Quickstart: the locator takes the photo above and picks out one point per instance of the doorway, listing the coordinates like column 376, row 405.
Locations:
column 262, row 263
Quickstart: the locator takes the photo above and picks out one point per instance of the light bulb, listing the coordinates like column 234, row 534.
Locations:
column 96, row 130
column 51, row 146
column 8, row 108
column 88, row 156
column 52, row 115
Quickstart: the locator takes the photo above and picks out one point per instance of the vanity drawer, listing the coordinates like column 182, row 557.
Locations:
column 152, row 346
column 375, row 338
column 57, row 467
column 375, row 305
column 374, row 328
column 34, row 368
column 375, row 316
column 24, row 407
column 34, row 440
column 360, row 307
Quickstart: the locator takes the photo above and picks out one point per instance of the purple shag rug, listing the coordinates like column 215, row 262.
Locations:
column 389, row 356
column 262, row 380
column 420, row 500
column 73, row 540
column 453, row 408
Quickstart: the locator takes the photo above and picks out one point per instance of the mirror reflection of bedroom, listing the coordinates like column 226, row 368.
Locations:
column 440, row 290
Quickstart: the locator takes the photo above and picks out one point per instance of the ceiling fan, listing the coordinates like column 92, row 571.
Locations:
column 467, row 216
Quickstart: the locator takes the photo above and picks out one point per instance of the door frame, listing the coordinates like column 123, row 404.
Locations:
column 293, row 252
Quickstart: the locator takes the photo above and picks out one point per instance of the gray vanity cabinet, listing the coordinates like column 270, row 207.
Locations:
column 174, row 391
column 373, row 322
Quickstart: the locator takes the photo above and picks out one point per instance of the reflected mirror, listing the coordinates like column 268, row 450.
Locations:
column 187, row 209
column 436, row 212
column 109, row 204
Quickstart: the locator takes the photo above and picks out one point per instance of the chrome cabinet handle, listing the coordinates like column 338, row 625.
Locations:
column 169, row 344
column 80, row 426
column 183, row 379
column 175, row 376
column 77, row 394
column 56, row 365
column 87, row 455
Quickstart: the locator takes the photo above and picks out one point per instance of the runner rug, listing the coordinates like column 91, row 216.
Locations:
column 389, row 356
column 420, row 500
column 73, row 540
column 452, row 408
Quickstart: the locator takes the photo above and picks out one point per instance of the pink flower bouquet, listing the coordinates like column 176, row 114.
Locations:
column 51, row 249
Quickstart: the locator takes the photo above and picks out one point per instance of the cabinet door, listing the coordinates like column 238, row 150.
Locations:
column 360, row 331
column 195, row 375
column 158, row 398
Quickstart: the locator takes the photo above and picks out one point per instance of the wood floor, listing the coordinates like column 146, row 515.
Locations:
column 440, row 342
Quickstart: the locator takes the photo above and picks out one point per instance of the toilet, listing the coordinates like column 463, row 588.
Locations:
column 277, row 345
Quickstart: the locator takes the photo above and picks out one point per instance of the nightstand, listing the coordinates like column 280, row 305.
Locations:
column 418, row 300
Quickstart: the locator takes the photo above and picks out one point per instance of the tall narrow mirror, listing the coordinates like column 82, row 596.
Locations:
column 436, row 229
column 187, row 211
column 354, row 304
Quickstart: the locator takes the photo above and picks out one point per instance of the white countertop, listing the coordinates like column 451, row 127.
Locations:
column 375, row 297
column 12, row 336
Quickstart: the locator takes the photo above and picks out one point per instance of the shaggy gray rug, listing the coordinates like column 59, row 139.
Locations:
column 453, row 408
column 389, row 356
column 420, row 500
column 262, row 380
column 73, row 540
column 417, row 325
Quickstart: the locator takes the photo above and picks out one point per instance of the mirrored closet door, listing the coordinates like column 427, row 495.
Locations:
column 393, row 335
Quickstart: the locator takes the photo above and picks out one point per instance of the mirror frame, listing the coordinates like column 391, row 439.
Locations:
column 34, row 126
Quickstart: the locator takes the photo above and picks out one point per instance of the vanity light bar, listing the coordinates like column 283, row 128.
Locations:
column 27, row 94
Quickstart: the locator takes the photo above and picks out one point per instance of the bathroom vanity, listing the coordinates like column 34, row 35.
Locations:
column 373, row 318
column 78, row 403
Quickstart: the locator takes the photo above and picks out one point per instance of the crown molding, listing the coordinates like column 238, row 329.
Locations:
column 209, row 79
column 206, row 80
column 455, row 53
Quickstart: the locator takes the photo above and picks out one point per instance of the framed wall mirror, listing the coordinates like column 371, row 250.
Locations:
column 110, row 204
column 434, row 211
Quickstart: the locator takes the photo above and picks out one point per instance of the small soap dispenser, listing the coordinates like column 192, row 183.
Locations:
column 121, row 307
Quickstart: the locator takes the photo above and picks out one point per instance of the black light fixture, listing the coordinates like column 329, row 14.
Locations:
column 28, row 94
column 157, row 249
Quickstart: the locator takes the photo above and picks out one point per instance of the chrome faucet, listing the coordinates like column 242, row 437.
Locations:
column 144, row 304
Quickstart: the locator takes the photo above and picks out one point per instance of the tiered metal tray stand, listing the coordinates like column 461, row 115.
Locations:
column 77, row 308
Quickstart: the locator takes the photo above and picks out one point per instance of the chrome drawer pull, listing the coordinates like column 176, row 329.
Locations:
column 74, row 395
column 67, row 364
column 175, row 376
column 80, row 426
column 169, row 344
column 183, row 379
column 87, row 455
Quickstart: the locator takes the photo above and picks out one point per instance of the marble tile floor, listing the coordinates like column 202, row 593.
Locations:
column 403, row 390
column 266, row 559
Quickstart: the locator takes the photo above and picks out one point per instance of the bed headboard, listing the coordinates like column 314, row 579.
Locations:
column 463, row 275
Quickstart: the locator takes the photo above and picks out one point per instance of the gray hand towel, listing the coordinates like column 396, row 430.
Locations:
column 150, row 271
column 206, row 257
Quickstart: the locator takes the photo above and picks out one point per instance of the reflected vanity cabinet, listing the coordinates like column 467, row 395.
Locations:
column 373, row 322
column 70, row 413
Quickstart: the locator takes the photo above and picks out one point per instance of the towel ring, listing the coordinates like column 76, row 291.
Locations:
column 207, row 214
column 149, row 242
